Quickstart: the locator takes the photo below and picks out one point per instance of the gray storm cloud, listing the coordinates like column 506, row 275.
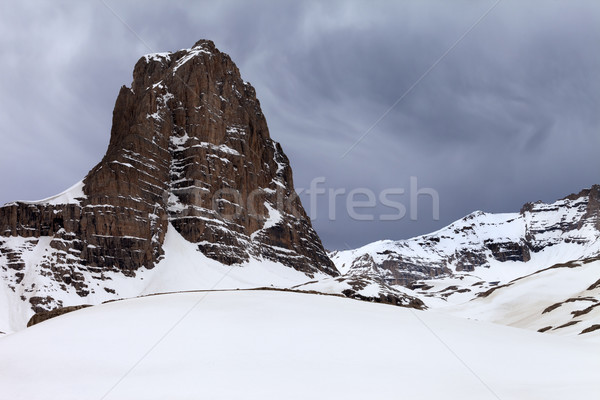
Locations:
column 510, row 115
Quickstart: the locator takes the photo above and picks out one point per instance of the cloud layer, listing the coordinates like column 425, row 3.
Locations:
column 511, row 114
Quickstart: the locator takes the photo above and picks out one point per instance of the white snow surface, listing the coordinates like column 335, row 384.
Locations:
column 523, row 303
column 218, row 148
column 274, row 217
column 159, row 57
column 191, row 53
column 72, row 195
column 278, row 345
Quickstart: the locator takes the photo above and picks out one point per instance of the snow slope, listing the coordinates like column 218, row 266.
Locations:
column 277, row 345
column 183, row 267
column 72, row 195
column 557, row 300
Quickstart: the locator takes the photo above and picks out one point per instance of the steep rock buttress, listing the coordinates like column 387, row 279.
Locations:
column 189, row 147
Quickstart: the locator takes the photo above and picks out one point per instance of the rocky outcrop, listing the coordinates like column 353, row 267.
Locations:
column 57, row 312
column 395, row 268
column 189, row 147
column 363, row 287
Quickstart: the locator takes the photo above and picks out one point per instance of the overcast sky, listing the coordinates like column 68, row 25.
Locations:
column 510, row 114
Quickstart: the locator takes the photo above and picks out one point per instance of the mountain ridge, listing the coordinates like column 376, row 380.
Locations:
column 509, row 268
column 517, row 241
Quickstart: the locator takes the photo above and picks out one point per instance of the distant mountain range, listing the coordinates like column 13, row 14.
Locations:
column 537, row 269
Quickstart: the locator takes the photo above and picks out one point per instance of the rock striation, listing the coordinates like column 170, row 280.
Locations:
column 189, row 147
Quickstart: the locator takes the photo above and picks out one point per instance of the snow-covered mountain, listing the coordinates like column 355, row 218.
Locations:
column 192, row 193
column 538, row 269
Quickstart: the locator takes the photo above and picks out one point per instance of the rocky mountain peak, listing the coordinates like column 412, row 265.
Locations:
column 189, row 148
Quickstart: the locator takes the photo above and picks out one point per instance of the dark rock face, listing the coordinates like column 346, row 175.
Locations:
column 46, row 315
column 189, row 146
column 394, row 268
column 467, row 260
column 509, row 251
